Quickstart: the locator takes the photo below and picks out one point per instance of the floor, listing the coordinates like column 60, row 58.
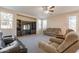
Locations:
column 31, row 42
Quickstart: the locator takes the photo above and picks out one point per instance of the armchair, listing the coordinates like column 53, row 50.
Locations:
column 14, row 46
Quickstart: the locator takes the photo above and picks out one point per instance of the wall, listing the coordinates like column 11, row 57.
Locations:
column 61, row 21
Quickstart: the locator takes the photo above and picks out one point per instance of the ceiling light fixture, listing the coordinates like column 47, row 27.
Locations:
column 48, row 9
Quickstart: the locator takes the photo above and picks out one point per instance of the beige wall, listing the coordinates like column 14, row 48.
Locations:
column 61, row 21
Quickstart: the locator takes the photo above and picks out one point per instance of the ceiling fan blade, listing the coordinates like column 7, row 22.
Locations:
column 51, row 10
column 51, row 7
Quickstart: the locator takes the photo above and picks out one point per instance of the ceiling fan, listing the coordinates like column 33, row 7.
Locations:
column 49, row 9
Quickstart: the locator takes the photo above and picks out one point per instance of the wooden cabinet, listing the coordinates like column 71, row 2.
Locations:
column 33, row 31
column 19, row 28
column 25, row 28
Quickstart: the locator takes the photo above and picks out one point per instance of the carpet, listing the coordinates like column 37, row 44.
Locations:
column 31, row 42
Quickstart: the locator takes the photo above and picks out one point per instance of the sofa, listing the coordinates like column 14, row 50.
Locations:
column 60, row 38
column 69, row 45
column 52, row 31
column 63, row 36
column 13, row 46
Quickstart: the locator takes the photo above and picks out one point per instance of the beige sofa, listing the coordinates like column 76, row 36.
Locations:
column 52, row 31
column 60, row 38
column 69, row 45
column 63, row 36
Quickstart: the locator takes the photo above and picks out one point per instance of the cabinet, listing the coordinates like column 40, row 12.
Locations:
column 25, row 28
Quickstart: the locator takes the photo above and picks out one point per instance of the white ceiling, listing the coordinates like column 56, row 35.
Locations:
column 37, row 11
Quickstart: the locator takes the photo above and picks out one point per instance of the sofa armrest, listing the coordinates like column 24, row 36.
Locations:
column 57, row 40
column 7, row 49
column 47, row 47
column 60, row 36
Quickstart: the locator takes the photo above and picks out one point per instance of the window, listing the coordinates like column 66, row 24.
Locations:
column 26, row 27
column 39, row 24
column 44, row 24
column 6, row 20
column 72, row 22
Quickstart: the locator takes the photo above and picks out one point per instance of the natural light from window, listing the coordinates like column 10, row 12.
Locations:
column 6, row 20
column 72, row 22
column 44, row 24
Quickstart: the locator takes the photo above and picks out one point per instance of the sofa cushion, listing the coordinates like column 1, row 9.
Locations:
column 54, row 44
column 47, row 47
column 57, row 40
column 70, row 39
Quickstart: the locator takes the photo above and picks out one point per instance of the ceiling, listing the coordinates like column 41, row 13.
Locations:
column 38, row 12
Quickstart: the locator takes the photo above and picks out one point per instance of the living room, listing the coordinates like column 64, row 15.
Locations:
column 33, row 24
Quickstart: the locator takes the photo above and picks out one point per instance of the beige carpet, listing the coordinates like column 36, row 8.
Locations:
column 31, row 42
